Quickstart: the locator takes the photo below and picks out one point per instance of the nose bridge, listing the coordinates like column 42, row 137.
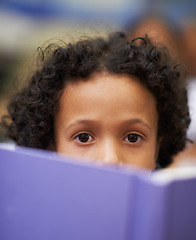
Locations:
column 110, row 151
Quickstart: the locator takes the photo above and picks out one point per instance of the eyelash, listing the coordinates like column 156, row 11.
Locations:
column 84, row 135
column 136, row 138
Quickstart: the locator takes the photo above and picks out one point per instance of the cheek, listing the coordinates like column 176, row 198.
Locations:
column 60, row 142
column 149, row 153
column 143, row 157
column 62, row 146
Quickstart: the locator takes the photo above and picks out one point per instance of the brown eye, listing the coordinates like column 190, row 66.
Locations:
column 83, row 138
column 132, row 138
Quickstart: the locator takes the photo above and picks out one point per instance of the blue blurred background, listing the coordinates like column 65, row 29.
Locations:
column 27, row 24
column 24, row 22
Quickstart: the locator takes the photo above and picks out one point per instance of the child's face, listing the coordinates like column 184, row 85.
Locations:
column 108, row 118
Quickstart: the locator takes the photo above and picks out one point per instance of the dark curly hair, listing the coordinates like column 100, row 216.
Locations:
column 32, row 111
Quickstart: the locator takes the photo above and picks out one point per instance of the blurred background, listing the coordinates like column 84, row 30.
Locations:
column 26, row 25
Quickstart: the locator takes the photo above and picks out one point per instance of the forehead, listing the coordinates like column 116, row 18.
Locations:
column 108, row 95
column 106, row 82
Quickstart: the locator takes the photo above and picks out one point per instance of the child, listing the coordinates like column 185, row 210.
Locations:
column 112, row 100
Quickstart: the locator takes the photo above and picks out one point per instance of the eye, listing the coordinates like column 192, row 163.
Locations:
column 132, row 138
column 84, row 138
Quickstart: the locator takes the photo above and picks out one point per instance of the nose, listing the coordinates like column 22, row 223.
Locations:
column 110, row 153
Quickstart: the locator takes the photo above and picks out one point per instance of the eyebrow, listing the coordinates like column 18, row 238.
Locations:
column 137, row 121
column 82, row 121
column 93, row 122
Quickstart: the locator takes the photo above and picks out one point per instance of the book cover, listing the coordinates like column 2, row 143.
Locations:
column 44, row 195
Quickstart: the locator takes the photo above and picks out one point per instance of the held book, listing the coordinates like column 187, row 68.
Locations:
column 46, row 196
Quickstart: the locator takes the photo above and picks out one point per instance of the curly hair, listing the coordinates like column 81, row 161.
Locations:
column 32, row 111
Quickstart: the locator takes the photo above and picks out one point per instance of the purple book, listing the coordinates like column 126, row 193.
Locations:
column 45, row 196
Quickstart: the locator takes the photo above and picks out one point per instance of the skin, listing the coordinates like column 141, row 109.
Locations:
column 110, row 119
